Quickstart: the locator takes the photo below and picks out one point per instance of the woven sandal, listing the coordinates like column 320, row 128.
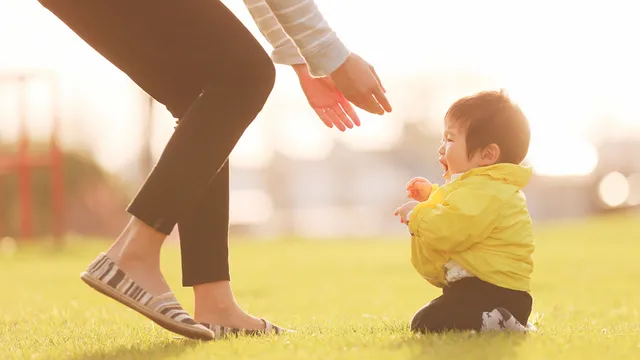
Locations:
column 222, row 332
column 104, row 276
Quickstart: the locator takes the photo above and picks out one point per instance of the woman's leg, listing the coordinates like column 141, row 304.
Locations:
column 197, row 59
column 204, row 233
column 204, row 244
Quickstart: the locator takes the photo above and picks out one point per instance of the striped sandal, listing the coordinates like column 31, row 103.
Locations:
column 104, row 276
column 222, row 332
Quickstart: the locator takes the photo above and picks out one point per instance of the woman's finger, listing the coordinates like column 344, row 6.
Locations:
column 335, row 119
column 342, row 116
column 368, row 102
column 323, row 116
column 349, row 110
column 381, row 99
column 378, row 79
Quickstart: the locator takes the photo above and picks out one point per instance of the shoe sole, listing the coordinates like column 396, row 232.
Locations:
column 173, row 326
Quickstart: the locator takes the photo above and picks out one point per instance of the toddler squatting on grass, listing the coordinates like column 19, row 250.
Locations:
column 473, row 236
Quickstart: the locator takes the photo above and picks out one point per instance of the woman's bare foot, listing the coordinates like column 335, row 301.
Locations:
column 129, row 273
column 215, row 304
column 137, row 252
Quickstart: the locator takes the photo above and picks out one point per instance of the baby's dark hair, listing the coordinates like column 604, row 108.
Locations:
column 490, row 117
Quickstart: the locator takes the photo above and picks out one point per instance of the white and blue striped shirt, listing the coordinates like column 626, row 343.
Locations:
column 299, row 34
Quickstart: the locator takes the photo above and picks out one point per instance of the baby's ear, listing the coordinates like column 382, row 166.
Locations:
column 491, row 154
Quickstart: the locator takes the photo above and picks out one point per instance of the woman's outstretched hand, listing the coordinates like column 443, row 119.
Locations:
column 358, row 82
column 326, row 100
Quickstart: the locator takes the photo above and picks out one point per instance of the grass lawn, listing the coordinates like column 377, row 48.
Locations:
column 346, row 299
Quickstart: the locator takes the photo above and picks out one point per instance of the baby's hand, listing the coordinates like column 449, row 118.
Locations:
column 403, row 211
column 419, row 189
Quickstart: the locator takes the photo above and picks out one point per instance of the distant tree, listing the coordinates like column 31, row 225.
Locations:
column 83, row 179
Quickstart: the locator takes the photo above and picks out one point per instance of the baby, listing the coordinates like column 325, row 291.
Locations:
column 473, row 236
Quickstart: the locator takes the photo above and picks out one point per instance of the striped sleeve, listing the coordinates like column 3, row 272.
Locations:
column 284, row 49
column 298, row 32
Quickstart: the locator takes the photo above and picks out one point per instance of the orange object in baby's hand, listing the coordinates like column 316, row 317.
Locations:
column 419, row 189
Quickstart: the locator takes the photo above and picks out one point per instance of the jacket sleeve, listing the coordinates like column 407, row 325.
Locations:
column 426, row 265
column 457, row 223
column 317, row 43
column 284, row 49
column 434, row 187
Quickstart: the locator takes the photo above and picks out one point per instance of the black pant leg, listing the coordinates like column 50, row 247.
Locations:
column 448, row 312
column 204, row 234
column 463, row 303
column 195, row 57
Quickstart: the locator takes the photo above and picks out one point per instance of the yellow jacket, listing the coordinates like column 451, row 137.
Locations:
column 479, row 220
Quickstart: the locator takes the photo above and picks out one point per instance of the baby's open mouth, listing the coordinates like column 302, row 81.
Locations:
column 445, row 166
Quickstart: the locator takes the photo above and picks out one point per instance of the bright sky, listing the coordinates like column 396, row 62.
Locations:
column 572, row 65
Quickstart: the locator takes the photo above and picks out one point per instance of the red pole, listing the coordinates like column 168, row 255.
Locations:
column 57, row 173
column 1, row 204
column 57, row 193
column 23, row 164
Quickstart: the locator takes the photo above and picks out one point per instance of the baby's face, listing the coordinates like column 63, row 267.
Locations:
column 453, row 151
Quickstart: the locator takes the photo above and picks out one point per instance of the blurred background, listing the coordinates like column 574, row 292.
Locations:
column 77, row 137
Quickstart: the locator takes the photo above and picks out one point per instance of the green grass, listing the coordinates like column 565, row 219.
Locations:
column 348, row 300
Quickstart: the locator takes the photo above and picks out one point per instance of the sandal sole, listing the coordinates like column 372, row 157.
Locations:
column 161, row 320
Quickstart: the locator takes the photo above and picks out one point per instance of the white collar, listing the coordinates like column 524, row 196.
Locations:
column 455, row 176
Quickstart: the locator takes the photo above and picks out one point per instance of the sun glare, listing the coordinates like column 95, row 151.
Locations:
column 614, row 189
column 302, row 137
column 253, row 151
column 565, row 89
column 377, row 133
column 562, row 156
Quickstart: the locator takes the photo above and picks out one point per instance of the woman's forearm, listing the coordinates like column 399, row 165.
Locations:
column 284, row 49
column 299, row 24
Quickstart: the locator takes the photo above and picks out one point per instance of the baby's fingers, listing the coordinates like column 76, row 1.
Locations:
column 414, row 181
column 421, row 186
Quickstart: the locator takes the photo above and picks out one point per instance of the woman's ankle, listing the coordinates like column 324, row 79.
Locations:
column 137, row 242
column 229, row 315
column 215, row 296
